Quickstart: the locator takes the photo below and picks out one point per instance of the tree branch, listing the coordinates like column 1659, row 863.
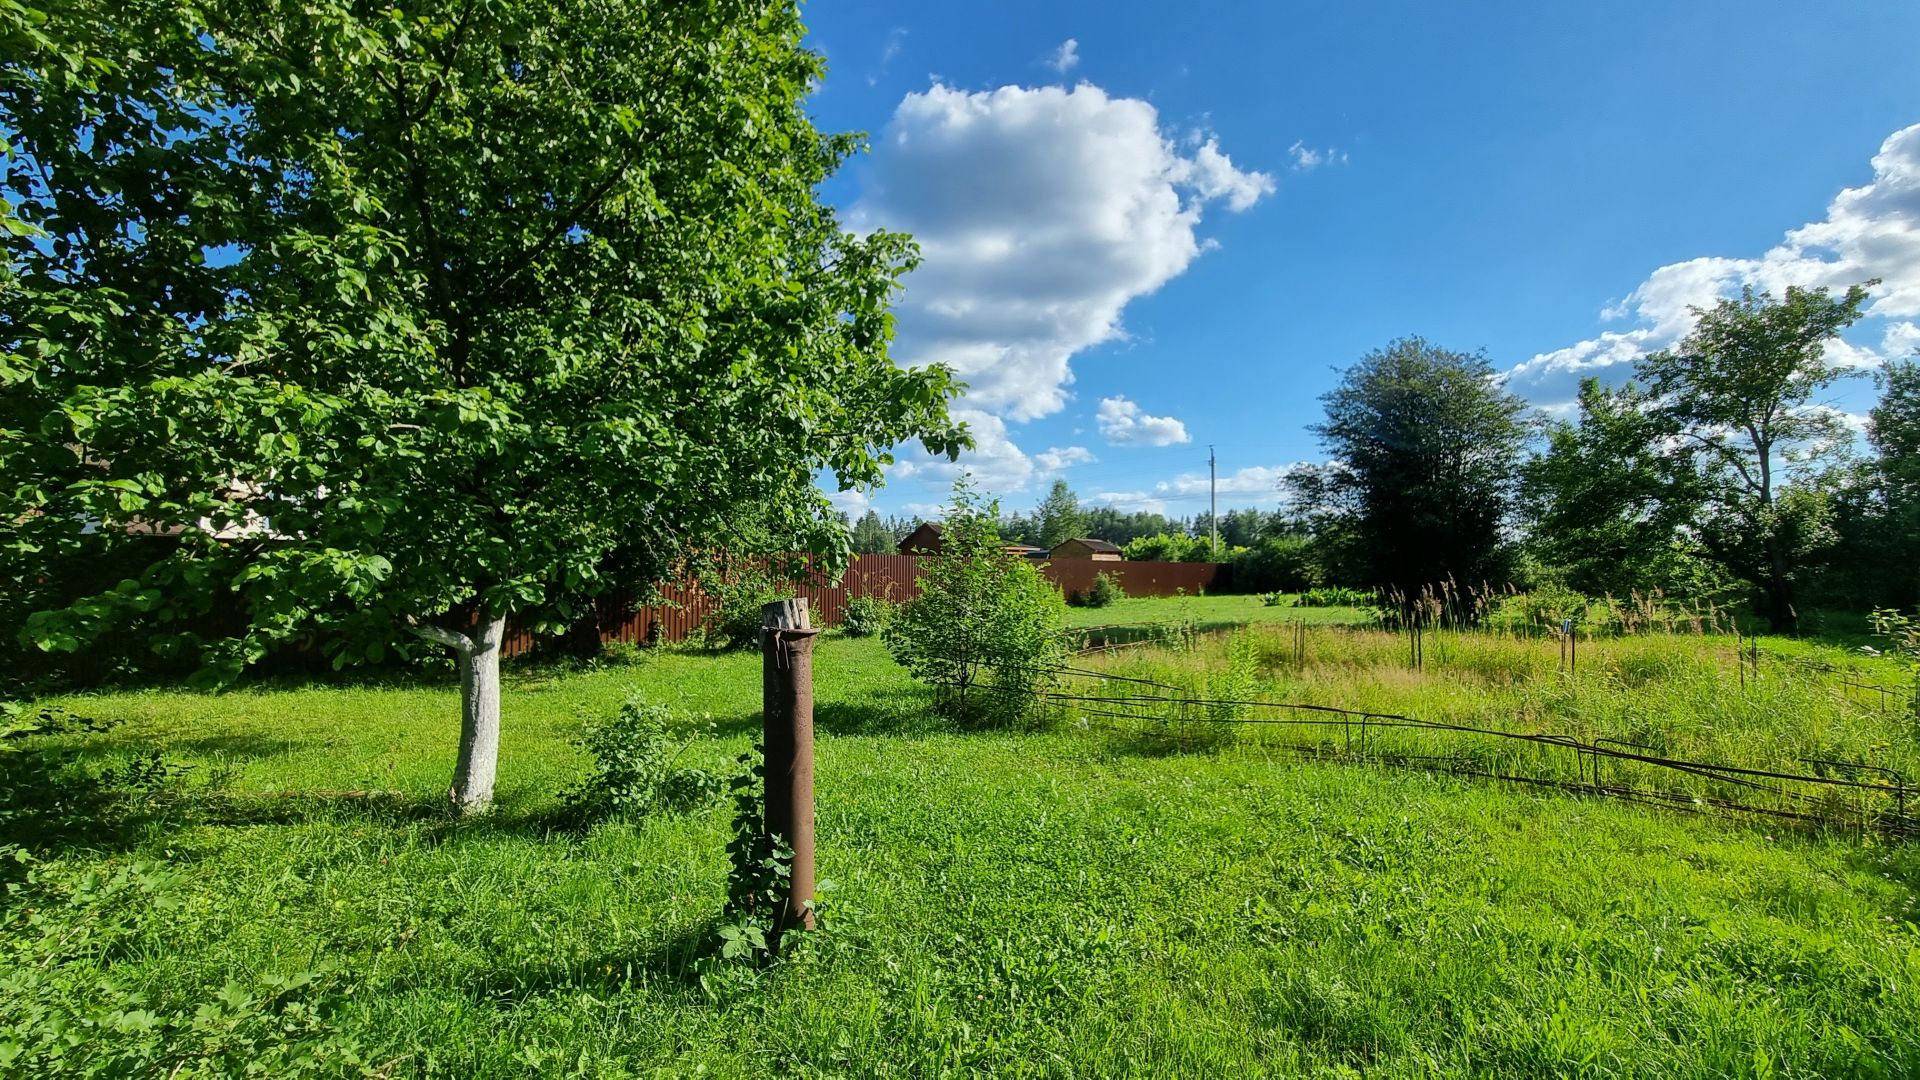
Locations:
column 440, row 635
column 565, row 221
column 1731, row 458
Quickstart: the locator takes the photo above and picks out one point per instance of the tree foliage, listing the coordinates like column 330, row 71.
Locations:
column 1058, row 519
column 871, row 536
column 1119, row 526
column 1168, row 547
column 1424, row 450
column 1891, row 519
column 1738, row 395
column 1610, row 498
column 366, row 318
column 986, row 626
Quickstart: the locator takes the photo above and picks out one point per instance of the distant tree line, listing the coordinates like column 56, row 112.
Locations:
column 1719, row 470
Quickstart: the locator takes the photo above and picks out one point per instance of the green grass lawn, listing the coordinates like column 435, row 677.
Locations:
column 1064, row 904
column 1209, row 612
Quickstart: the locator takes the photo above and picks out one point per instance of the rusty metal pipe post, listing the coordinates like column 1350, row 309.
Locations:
column 786, row 665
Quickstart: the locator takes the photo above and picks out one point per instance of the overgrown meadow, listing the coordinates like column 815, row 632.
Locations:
column 1096, row 896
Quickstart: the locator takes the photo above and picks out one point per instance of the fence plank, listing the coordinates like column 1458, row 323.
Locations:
column 890, row 577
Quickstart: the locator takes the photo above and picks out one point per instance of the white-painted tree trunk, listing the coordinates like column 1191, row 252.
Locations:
column 473, row 773
column 478, row 658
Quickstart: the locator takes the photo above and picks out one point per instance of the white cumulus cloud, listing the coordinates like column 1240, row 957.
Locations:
column 1124, row 424
column 1260, row 481
column 1871, row 231
column 1053, row 459
column 1256, row 485
column 1065, row 57
column 1133, row 502
column 995, row 462
column 1040, row 213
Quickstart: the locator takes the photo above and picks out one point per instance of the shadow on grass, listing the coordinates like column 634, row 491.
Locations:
column 241, row 809
column 235, row 747
column 1166, row 741
column 673, row 964
column 1126, row 634
column 895, row 713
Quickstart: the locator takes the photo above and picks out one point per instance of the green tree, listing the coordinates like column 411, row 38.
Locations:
column 986, row 627
column 395, row 323
column 1610, row 499
column 1168, row 547
column 1738, row 394
column 1425, row 449
column 1242, row 528
column 1893, row 429
column 1058, row 518
column 871, row 536
column 1119, row 526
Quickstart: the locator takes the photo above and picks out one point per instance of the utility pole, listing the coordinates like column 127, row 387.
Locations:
column 1213, row 504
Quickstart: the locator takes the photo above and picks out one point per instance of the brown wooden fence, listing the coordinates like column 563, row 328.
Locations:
column 891, row 577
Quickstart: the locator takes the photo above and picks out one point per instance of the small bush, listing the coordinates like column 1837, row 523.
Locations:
column 736, row 625
column 986, row 628
column 636, row 768
column 866, row 616
column 1102, row 593
column 1276, row 599
column 1169, row 547
column 1334, row 596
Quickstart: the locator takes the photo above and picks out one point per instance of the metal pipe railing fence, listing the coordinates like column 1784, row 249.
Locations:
column 1835, row 794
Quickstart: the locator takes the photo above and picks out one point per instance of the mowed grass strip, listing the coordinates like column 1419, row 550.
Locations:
column 1024, row 904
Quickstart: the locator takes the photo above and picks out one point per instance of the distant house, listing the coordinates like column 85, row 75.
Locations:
column 923, row 540
column 1086, row 548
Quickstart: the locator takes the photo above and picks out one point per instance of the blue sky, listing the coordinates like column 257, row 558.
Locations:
column 1175, row 229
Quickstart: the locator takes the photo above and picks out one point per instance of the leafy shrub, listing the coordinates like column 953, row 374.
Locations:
column 1277, row 563
column 986, row 627
column 65, row 1010
column 636, row 768
column 1102, row 593
column 1901, row 632
column 1168, row 547
column 1334, row 596
column 866, row 616
column 736, row 623
column 1275, row 599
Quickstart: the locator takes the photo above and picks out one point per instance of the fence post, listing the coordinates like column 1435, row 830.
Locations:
column 786, row 670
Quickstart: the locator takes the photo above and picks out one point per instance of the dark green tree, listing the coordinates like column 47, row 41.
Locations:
column 1611, row 498
column 1425, row 450
column 1058, row 518
column 1738, row 394
column 1893, row 429
column 1242, row 528
column 871, row 537
column 1119, row 526
column 397, row 322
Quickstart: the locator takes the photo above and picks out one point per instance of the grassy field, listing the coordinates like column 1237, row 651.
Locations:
column 1070, row 903
column 1207, row 612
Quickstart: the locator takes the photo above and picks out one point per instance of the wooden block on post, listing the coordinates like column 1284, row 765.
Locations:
column 785, row 615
